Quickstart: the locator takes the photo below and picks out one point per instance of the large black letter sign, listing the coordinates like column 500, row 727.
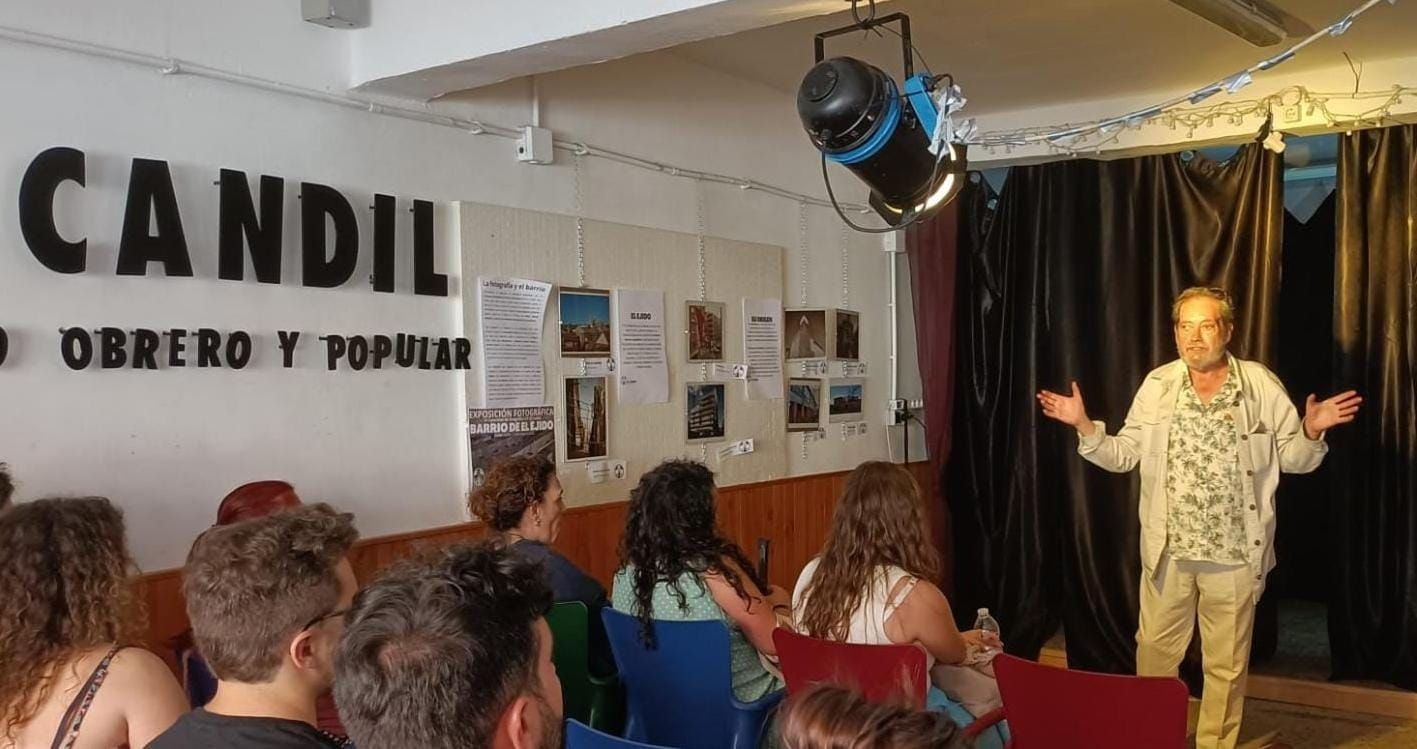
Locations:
column 41, row 179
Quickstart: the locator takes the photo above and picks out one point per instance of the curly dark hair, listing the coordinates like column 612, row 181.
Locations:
column 7, row 486
column 64, row 577
column 510, row 489
column 671, row 530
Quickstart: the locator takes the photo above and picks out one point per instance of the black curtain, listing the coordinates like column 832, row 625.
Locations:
column 1373, row 608
column 1073, row 280
column 1305, row 335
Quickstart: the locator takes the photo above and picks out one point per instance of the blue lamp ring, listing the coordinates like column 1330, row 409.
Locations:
column 883, row 133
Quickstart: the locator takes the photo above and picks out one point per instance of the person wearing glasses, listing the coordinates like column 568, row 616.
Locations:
column 1211, row 434
column 266, row 598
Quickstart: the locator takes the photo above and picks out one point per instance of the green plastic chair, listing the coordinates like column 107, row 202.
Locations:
column 594, row 701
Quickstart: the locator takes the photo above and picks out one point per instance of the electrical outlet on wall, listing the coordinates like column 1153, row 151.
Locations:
column 1291, row 113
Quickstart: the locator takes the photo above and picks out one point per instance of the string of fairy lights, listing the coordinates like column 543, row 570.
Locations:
column 1185, row 111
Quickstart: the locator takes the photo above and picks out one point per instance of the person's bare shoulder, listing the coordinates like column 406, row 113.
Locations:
column 139, row 668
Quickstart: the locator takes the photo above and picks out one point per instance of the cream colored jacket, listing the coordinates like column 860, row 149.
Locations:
column 1270, row 437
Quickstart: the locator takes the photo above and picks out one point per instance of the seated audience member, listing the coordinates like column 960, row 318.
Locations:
column 874, row 584
column 253, row 500
column 675, row 565
column 521, row 502
column 266, row 598
column 7, row 487
column 451, row 651
column 827, row 716
column 256, row 500
column 69, row 676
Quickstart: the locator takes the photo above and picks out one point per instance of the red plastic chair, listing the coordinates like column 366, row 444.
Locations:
column 882, row 673
column 1059, row 708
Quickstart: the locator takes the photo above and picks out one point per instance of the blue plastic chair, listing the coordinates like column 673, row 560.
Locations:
column 681, row 693
column 197, row 678
column 581, row 736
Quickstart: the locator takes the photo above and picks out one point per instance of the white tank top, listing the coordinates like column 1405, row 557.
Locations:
column 867, row 625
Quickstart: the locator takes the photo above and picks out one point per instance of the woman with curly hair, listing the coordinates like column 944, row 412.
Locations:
column 521, row 502
column 874, row 584
column 69, row 673
column 675, row 565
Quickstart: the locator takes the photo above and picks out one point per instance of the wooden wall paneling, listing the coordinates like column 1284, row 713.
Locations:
column 795, row 513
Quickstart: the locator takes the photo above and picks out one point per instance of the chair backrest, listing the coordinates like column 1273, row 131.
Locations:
column 1060, row 708
column 882, row 673
column 197, row 677
column 680, row 693
column 582, row 736
column 569, row 622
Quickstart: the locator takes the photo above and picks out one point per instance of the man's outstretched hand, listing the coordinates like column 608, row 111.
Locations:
column 1068, row 409
column 1322, row 415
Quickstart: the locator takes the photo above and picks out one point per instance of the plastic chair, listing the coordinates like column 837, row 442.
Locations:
column 882, row 673
column 581, row 736
column 1059, row 708
column 592, row 700
column 680, row 694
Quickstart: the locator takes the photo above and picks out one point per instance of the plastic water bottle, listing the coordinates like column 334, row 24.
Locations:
column 987, row 623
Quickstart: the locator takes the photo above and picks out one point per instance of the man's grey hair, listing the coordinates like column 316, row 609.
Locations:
column 1227, row 308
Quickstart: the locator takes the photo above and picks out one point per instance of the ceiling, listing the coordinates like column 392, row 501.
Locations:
column 1018, row 54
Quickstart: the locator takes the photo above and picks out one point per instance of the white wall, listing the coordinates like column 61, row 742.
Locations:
column 387, row 445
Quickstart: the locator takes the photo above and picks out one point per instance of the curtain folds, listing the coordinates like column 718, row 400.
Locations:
column 1373, row 518
column 1071, row 277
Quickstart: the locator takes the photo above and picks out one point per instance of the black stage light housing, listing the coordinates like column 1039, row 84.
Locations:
column 857, row 117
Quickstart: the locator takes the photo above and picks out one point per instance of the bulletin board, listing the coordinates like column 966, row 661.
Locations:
column 515, row 243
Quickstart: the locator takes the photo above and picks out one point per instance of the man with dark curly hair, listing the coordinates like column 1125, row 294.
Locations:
column 267, row 599
column 451, row 651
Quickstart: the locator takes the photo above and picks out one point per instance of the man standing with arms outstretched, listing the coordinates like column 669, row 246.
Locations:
column 1211, row 433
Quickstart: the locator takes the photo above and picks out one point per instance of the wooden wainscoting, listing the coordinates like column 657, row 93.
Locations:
column 794, row 513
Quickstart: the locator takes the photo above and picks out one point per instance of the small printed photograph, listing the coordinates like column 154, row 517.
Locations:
column 704, row 412
column 587, row 418
column 585, row 322
column 704, row 327
column 844, row 397
column 804, row 405
column 848, row 335
column 806, row 333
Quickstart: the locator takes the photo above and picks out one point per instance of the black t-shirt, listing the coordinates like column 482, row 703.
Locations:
column 200, row 728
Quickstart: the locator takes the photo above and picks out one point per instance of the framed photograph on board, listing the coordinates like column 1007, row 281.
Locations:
column 804, row 405
column 844, row 398
column 585, row 322
column 587, row 417
column 805, row 331
column 704, row 412
column 847, row 341
column 703, row 325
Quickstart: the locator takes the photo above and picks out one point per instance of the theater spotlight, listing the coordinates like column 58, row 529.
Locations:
column 857, row 117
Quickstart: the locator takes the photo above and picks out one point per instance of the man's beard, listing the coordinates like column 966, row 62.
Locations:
column 553, row 736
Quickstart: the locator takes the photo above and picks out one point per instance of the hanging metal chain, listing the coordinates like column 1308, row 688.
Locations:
column 802, row 254
column 580, row 220
column 845, row 271
column 700, row 247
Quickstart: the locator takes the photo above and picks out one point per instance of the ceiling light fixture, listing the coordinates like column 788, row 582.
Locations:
column 856, row 116
column 1243, row 18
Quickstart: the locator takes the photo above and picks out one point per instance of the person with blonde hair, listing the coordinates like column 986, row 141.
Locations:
column 1211, row 433
column 71, row 674
column 874, row 584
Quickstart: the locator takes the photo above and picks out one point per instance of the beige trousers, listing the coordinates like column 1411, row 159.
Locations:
column 1224, row 597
